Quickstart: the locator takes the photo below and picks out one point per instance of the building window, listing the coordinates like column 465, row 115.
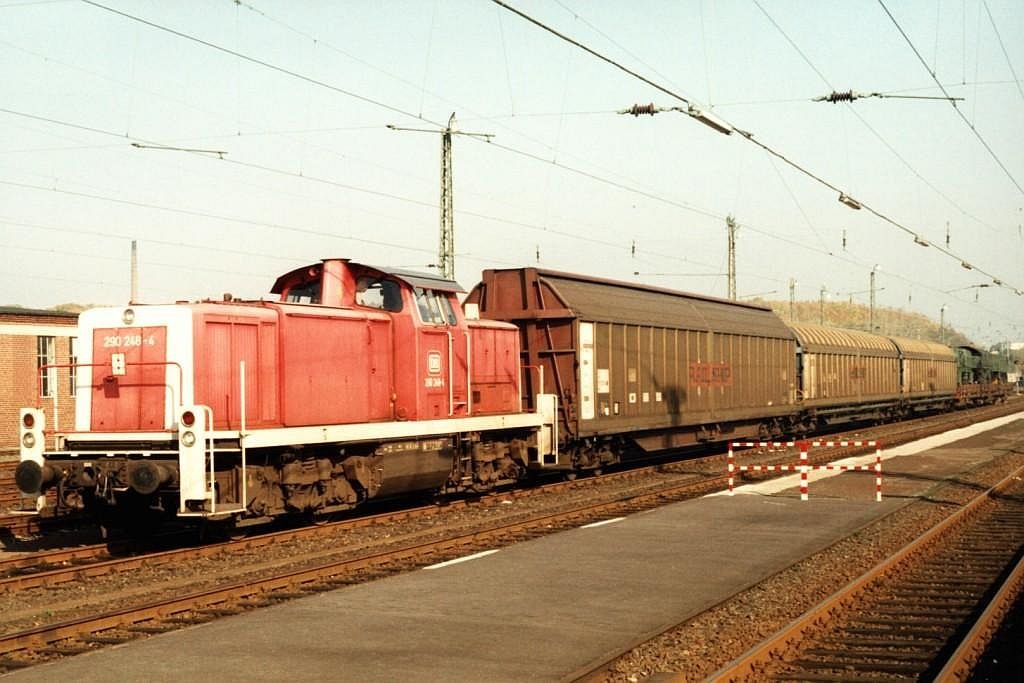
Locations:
column 72, row 359
column 45, row 355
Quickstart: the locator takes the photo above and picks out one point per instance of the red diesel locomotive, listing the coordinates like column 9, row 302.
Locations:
column 359, row 382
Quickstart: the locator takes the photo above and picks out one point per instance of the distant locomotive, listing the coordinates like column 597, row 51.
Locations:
column 363, row 382
column 983, row 376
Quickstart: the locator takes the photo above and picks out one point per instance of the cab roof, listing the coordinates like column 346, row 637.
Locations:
column 410, row 277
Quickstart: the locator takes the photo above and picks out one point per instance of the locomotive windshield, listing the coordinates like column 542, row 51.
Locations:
column 434, row 307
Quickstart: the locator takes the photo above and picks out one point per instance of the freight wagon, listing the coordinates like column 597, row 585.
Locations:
column 639, row 368
column 848, row 375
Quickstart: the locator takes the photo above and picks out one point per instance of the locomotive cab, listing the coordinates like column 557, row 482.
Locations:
column 429, row 337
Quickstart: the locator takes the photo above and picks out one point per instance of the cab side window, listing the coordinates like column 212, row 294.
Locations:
column 426, row 304
column 446, row 308
column 379, row 293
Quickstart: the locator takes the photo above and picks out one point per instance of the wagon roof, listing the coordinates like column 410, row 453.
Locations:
column 919, row 348
column 600, row 300
column 821, row 338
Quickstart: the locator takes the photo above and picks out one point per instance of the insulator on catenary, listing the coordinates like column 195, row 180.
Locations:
column 847, row 96
column 638, row 109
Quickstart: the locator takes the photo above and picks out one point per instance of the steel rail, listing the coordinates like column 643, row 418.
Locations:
column 963, row 660
column 25, row 579
column 753, row 664
column 213, row 600
column 549, row 523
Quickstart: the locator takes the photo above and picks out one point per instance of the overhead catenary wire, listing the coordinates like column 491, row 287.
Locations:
column 851, row 95
column 863, row 121
column 364, row 190
column 457, row 106
column 544, row 160
column 745, row 134
column 970, row 125
column 268, row 65
column 752, row 228
column 363, row 98
column 526, row 17
column 592, row 52
column 1002, row 46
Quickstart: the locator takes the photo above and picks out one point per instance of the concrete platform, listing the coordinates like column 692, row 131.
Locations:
column 542, row 609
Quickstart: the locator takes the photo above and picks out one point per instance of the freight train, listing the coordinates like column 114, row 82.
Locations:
column 361, row 382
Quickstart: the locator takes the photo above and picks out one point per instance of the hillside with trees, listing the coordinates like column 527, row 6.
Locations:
column 854, row 316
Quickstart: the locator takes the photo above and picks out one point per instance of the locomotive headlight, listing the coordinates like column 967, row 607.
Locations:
column 188, row 439
column 28, row 440
column 128, row 317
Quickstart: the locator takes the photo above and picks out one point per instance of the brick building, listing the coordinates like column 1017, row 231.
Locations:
column 30, row 339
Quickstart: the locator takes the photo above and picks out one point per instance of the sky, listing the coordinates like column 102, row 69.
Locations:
column 236, row 141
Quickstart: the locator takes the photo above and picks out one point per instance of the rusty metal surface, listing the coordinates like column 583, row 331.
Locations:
column 628, row 303
column 647, row 377
column 928, row 368
column 655, row 360
column 844, row 365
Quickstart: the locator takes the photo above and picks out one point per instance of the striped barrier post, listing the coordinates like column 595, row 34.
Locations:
column 731, row 466
column 878, row 473
column 803, row 470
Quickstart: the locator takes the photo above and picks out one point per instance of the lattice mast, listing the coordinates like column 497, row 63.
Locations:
column 446, row 246
column 446, row 249
column 730, row 223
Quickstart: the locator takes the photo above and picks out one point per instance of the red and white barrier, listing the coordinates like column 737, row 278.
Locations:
column 803, row 467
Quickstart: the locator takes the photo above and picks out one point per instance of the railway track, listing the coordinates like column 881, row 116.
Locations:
column 55, row 567
column 25, row 647
column 28, row 646
column 901, row 620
